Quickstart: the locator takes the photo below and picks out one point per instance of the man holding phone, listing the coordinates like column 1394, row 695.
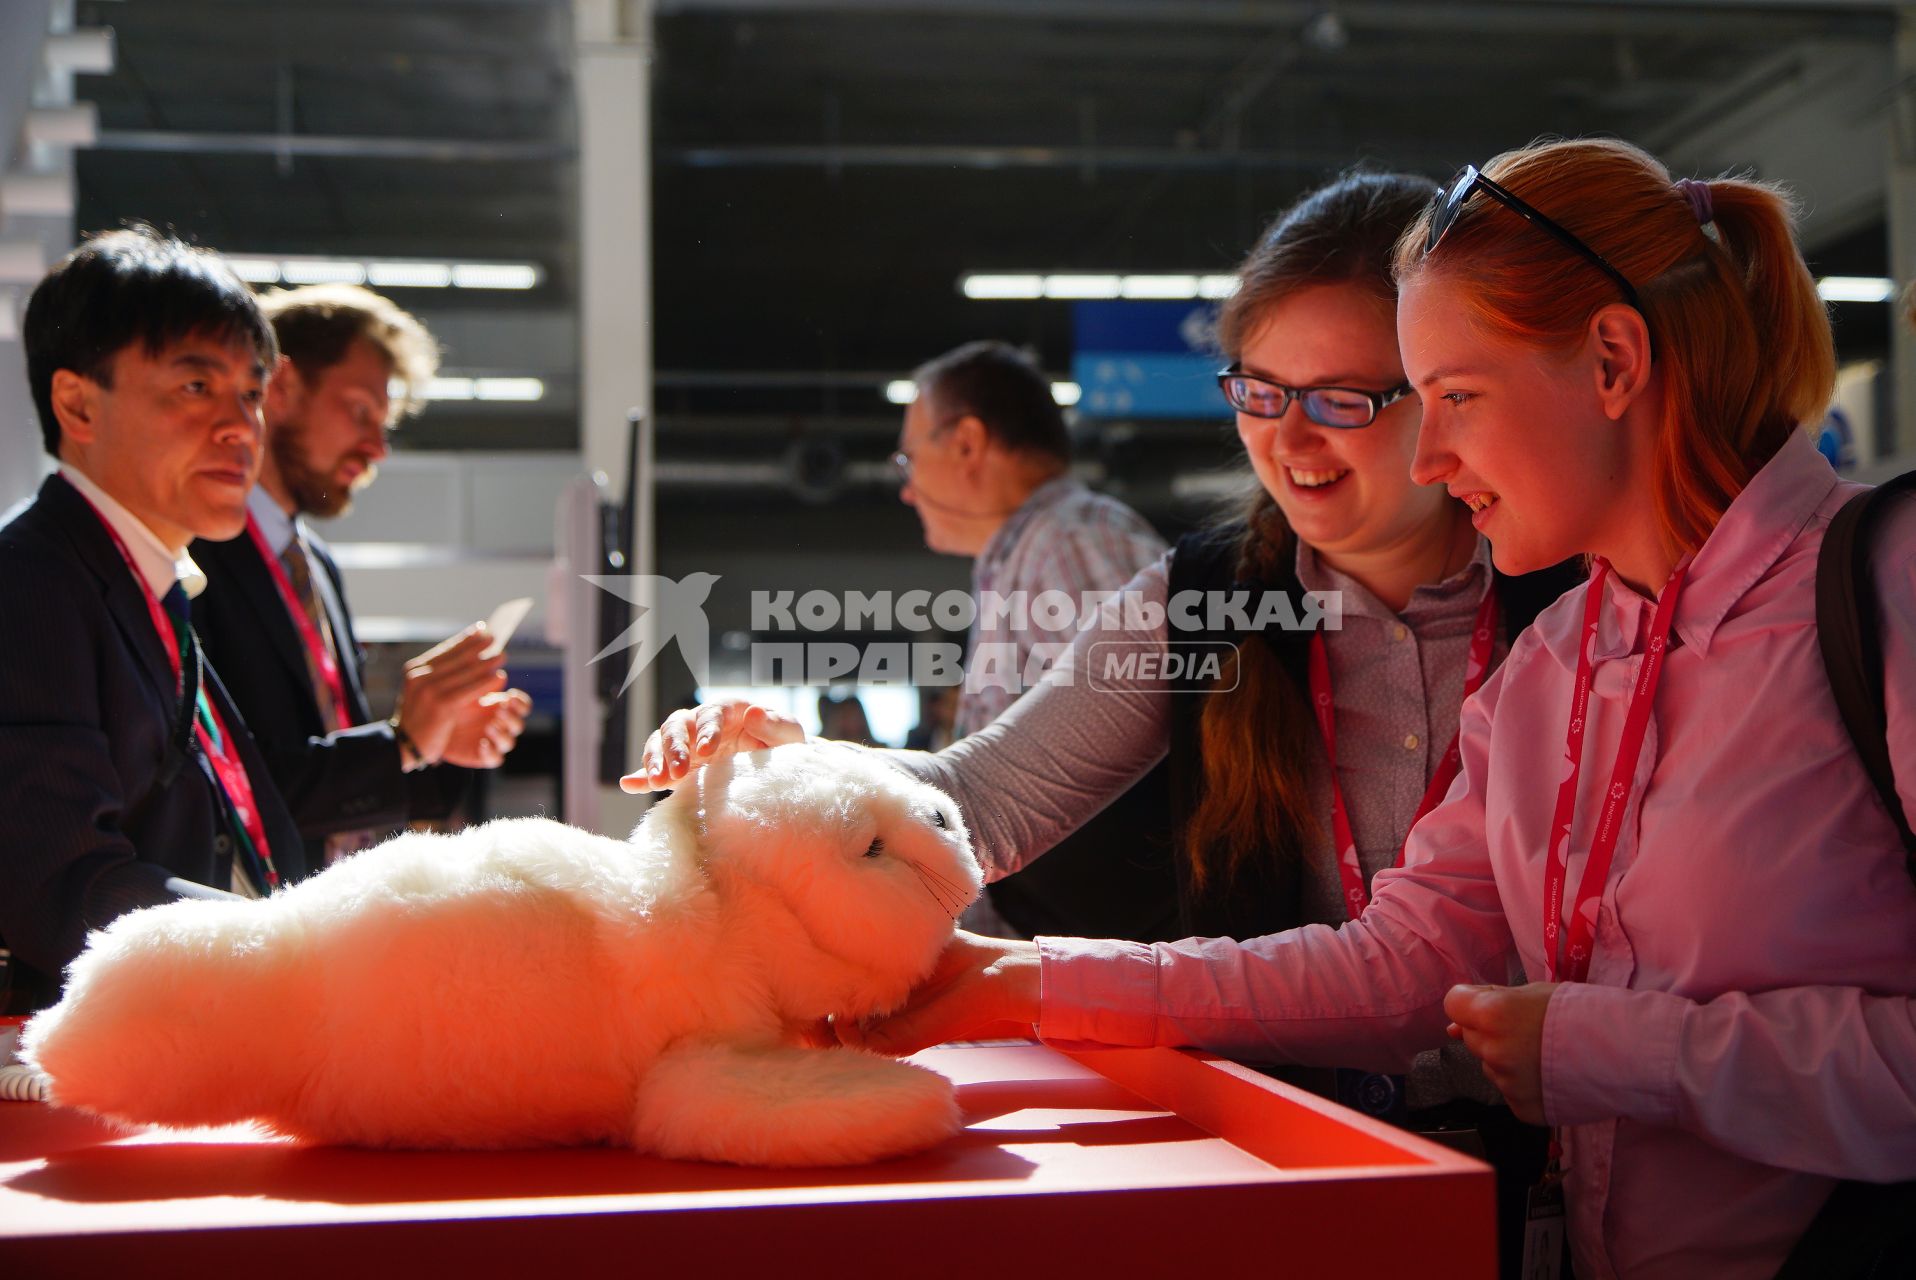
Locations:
column 275, row 607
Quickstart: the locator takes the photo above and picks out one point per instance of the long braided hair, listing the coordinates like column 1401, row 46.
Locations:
column 1256, row 739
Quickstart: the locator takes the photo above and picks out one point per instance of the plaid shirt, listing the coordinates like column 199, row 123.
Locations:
column 1064, row 538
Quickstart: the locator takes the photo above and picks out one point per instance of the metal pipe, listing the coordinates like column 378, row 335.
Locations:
column 337, row 147
column 995, row 157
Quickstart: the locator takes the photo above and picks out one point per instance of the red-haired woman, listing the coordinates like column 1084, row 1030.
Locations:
column 1659, row 814
column 1273, row 834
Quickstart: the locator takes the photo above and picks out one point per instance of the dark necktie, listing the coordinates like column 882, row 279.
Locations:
column 247, row 876
column 177, row 609
column 299, row 572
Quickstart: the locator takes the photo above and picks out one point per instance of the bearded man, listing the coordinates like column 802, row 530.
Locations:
column 275, row 607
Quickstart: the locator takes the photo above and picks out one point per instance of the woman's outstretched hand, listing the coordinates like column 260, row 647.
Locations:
column 690, row 738
column 981, row 989
column 1503, row 1026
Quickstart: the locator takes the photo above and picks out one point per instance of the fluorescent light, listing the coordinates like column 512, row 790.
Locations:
column 255, row 270
column 389, row 273
column 495, row 275
column 409, row 275
column 1080, row 286
column 322, row 271
column 1094, row 284
column 1160, row 287
column 976, row 286
column 508, row 389
column 901, row 391
column 1855, row 288
column 9, row 315
column 1066, row 393
column 468, row 388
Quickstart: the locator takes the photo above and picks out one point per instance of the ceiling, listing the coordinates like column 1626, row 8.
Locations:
column 823, row 172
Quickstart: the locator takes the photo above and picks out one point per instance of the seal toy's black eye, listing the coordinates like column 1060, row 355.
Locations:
column 877, row 847
column 938, row 819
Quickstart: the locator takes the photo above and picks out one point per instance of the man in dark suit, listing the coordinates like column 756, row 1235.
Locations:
column 126, row 774
column 274, row 615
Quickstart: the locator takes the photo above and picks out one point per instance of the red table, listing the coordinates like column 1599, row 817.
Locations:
column 1107, row 1162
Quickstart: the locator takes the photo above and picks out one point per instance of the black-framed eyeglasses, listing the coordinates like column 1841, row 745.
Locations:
column 1471, row 181
column 1340, row 407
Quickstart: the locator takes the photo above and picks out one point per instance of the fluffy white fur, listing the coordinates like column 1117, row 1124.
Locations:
column 526, row 983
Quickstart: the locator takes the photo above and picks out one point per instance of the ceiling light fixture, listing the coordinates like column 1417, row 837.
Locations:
column 1085, row 285
column 494, row 275
column 1160, row 287
column 1001, row 286
column 321, row 271
column 409, row 275
column 521, row 389
column 1082, row 286
column 1856, row 288
column 904, row 391
column 255, row 270
column 387, row 273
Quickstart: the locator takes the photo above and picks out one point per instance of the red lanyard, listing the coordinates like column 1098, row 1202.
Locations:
column 321, row 652
column 216, row 741
column 1603, row 842
column 1482, row 639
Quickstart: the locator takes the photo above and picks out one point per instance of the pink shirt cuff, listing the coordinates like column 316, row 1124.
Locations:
column 1097, row 992
column 1609, row 1052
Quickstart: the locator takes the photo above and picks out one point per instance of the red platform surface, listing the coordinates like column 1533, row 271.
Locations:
column 1111, row 1162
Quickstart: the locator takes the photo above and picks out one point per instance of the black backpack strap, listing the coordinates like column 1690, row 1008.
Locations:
column 1848, row 632
column 1262, row 896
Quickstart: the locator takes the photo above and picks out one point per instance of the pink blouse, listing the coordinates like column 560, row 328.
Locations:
column 1747, row 1034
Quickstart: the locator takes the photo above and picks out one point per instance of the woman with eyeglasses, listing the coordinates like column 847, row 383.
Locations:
column 1659, row 814
column 1283, row 815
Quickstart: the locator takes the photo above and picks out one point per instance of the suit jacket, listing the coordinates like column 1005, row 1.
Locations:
column 347, row 780
column 88, row 704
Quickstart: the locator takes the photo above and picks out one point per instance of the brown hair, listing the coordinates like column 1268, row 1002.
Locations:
column 1256, row 742
column 1741, row 337
column 1003, row 388
column 318, row 323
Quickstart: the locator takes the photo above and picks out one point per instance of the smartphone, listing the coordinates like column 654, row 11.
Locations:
column 504, row 621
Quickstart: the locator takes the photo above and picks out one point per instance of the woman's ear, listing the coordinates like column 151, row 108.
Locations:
column 1621, row 340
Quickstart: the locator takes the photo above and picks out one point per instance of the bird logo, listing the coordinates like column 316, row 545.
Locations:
column 663, row 611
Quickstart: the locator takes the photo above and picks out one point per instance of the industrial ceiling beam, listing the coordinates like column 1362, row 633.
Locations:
column 916, row 156
column 333, row 147
column 1865, row 19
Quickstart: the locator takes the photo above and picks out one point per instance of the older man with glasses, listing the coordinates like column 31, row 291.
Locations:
column 984, row 459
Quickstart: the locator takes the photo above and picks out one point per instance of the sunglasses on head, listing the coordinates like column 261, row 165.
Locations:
column 1471, row 181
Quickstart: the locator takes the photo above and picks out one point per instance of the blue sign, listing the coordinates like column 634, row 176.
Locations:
column 1147, row 360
